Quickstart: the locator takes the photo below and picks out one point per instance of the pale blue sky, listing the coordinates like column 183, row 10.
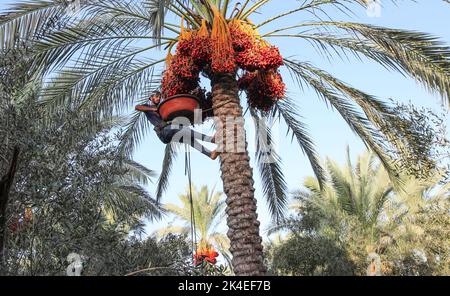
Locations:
column 330, row 133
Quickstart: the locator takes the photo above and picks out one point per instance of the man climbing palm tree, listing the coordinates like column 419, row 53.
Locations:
column 168, row 132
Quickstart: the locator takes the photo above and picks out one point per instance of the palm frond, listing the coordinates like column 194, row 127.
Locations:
column 93, row 42
column 163, row 232
column 163, row 181
column 180, row 212
column 138, row 172
column 269, row 163
column 288, row 111
column 157, row 10
column 360, row 124
column 342, row 188
column 112, row 94
column 309, row 6
column 110, row 74
column 27, row 20
column 135, row 130
column 421, row 56
column 136, row 199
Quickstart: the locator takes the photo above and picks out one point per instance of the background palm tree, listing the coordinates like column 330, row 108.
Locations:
column 360, row 211
column 102, row 56
column 208, row 208
column 357, row 190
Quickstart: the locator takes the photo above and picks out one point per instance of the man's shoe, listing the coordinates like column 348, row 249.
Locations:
column 214, row 155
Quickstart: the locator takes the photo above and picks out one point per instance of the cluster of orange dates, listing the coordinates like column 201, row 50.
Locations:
column 239, row 47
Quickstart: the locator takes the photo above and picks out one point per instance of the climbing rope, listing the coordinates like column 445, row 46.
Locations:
column 188, row 172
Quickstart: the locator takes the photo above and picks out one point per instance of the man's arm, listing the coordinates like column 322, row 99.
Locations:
column 146, row 108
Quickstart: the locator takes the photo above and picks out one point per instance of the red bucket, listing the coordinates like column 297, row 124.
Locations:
column 179, row 106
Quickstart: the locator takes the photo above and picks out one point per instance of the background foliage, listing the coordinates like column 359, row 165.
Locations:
column 361, row 218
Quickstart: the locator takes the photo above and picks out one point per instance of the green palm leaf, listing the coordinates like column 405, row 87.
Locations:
column 163, row 181
column 269, row 163
column 287, row 110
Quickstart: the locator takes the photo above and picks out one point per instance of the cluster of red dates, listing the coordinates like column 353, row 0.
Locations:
column 239, row 47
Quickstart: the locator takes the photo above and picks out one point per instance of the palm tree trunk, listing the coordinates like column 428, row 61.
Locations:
column 245, row 240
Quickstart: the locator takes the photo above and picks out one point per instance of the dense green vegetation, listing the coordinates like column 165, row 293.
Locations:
column 361, row 218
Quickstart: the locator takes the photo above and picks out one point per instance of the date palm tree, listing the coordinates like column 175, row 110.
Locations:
column 208, row 209
column 108, row 52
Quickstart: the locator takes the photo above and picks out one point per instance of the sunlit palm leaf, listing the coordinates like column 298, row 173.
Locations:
column 288, row 111
column 28, row 20
column 269, row 164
